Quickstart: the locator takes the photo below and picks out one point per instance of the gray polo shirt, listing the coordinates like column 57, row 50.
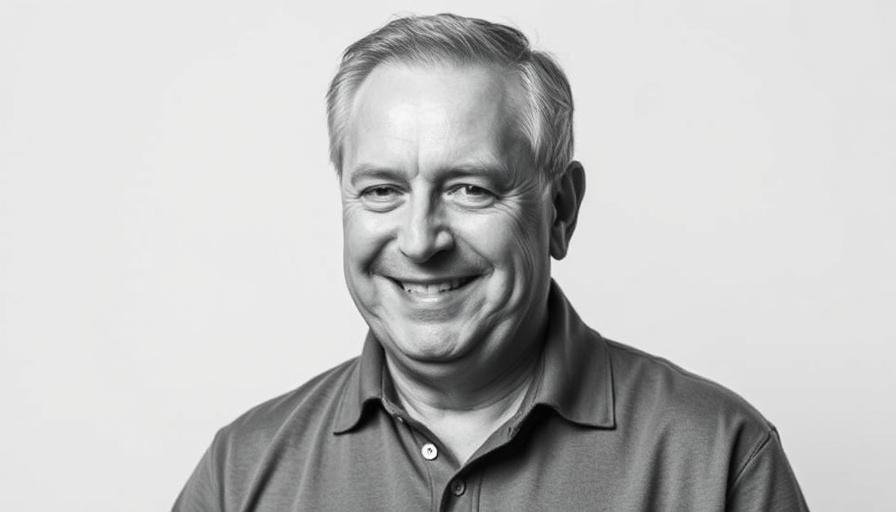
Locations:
column 604, row 427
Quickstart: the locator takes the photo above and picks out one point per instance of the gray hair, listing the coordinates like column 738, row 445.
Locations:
column 545, row 121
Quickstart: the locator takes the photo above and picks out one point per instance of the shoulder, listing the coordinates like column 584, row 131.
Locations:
column 658, row 399
column 643, row 378
column 284, row 428
column 307, row 408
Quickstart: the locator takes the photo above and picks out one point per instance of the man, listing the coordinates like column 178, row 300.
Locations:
column 478, row 388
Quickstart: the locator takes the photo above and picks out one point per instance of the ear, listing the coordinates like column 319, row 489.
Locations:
column 569, row 189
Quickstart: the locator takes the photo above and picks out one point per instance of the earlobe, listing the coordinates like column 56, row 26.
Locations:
column 569, row 190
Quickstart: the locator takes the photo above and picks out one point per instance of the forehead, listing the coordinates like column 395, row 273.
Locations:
column 432, row 114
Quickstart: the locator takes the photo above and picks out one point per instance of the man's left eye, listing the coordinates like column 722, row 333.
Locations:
column 472, row 195
column 473, row 190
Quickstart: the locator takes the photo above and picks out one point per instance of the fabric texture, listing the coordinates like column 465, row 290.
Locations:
column 605, row 427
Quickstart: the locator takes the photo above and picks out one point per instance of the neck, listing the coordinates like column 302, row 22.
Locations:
column 464, row 404
column 457, row 394
column 462, row 422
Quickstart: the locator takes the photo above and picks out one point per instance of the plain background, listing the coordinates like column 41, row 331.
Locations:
column 171, row 236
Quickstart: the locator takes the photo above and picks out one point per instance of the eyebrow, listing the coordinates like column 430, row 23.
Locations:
column 372, row 172
column 495, row 170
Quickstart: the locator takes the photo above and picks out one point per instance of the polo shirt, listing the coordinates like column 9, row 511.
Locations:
column 603, row 427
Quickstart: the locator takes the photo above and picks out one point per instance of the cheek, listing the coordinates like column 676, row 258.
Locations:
column 511, row 240
column 532, row 230
column 364, row 236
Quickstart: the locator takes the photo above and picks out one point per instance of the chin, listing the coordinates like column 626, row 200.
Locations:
column 428, row 350
column 428, row 346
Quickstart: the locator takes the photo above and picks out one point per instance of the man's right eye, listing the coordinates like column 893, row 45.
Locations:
column 381, row 193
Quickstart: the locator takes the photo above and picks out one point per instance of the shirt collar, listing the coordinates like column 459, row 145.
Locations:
column 575, row 377
column 365, row 386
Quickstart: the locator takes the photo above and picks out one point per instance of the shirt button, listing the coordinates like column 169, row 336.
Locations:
column 458, row 487
column 429, row 451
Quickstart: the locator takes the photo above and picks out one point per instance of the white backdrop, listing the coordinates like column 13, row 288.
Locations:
column 170, row 246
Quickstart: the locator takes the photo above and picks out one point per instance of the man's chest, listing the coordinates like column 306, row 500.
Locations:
column 550, row 465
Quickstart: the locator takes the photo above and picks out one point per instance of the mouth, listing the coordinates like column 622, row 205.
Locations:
column 433, row 288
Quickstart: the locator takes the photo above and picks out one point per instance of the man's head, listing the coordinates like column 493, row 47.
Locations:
column 543, row 117
column 450, row 218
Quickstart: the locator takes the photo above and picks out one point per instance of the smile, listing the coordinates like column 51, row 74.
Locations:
column 433, row 288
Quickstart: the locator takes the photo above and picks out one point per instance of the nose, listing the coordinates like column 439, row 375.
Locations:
column 424, row 232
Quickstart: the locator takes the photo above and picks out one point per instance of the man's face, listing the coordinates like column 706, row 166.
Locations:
column 446, row 224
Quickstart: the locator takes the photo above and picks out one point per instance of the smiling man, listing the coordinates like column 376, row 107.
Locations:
column 478, row 387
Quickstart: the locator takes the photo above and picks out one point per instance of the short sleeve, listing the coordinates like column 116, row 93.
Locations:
column 766, row 483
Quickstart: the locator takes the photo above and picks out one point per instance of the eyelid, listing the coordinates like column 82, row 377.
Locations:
column 481, row 198
column 460, row 186
column 381, row 203
column 366, row 190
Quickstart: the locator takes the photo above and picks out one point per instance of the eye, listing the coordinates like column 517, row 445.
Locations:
column 473, row 190
column 472, row 195
column 381, row 197
column 380, row 193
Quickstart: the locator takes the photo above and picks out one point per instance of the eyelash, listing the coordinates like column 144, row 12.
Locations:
column 479, row 190
column 380, row 187
column 371, row 193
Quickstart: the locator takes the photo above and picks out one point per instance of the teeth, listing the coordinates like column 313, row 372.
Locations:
column 432, row 289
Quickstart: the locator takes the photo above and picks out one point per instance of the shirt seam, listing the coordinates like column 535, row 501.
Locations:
column 754, row 455
column 476, row 504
